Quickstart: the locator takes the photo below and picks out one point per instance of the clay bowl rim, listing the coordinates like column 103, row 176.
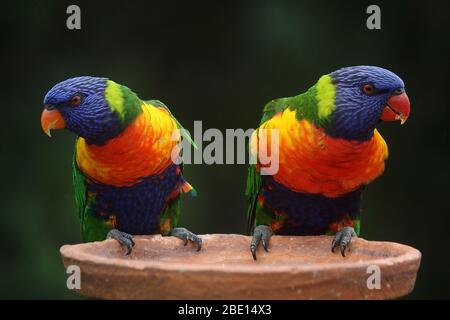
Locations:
column 405, row 254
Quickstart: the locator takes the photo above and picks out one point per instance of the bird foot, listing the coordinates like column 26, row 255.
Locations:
column 125, row 239
column 261, row 234
column 186, row 235
column 342, row 239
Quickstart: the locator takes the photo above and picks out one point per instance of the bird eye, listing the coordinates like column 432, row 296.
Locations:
column 399, row 91
column 368, row 89
column 76, row 100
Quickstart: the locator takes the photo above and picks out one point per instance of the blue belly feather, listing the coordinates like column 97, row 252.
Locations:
column 137, row 208
column 308, row 214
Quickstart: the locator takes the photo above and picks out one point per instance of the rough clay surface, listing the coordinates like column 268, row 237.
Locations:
column 295, row 268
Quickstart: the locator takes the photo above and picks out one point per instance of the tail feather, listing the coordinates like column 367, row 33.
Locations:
column 186, row 187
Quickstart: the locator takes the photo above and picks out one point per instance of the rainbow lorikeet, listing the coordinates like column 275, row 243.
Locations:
column 328, row 150
column 125, row 180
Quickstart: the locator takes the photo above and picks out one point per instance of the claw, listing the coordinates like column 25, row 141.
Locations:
column 186, row 235
column 129, row 249
column 261, row 234
column 253, row 250
column 123, row 238
column 199, row 243
column 343, row 251
column 334, row 244
column 342, row 240
column 265, row 246
column 253, row 246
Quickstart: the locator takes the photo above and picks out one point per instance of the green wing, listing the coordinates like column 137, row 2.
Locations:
column 93, row 228
column 80, row 187
column 254, row 181
column 184, row 133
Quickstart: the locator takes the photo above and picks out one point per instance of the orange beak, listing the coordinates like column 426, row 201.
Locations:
column 52, row 119
column 397, row 108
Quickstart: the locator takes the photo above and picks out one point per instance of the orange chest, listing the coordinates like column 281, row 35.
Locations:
column 309, row 161
column 144, row 148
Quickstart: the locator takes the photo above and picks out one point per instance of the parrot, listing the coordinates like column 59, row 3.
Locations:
column 328, row 150
column 125, row 179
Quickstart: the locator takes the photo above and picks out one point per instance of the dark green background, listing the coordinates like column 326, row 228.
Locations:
column 218, row 62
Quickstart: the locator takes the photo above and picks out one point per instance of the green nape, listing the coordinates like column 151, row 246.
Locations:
column 122, row 101
column 315, row 105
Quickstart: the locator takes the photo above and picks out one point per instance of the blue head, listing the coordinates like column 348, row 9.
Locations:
column 365, row 95
column 83, row 106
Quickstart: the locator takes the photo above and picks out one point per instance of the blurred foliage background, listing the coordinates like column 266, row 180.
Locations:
column 218, row 62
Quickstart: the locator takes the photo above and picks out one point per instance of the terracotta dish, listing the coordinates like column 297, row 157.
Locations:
column 295, row 268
